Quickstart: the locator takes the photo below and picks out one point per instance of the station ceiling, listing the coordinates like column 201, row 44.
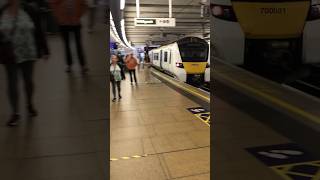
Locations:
column 188, row 21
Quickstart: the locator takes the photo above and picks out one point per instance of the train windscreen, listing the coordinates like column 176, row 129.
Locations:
column 194, row 52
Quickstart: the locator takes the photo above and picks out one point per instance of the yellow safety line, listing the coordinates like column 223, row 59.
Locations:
column 286, row 170
column 184, row 88
column 203, row 120
column 299, row 111
column 314, row 163
column 128, row 157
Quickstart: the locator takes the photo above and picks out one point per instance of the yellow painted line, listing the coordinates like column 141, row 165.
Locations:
column 284, row 104
column 128, row 157
column 136, row 156
column 207, row 99
column 313, row 163
column 206, row 122
column 284, row 170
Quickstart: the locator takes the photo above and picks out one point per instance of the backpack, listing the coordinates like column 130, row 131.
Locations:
column 122, row 70
column 6, row 46
column 34, row 13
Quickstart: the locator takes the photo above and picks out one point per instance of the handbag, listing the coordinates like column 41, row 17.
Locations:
column 6, row 46
column 123, row 76
column 111, row 77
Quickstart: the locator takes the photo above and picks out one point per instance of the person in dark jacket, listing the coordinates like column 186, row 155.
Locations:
column 34, row 9
column 122, row 66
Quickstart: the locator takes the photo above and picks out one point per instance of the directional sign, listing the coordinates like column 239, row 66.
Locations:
column 155, row 22
column 201, row 113
column 281, row 154
column 289, row 161
column 197, row 110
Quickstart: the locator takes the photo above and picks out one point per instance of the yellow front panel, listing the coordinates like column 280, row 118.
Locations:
column 272, row 20
column 195, row 67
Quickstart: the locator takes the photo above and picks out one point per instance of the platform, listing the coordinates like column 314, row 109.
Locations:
column 154, row 136
column 280, row 106
column 255, row 125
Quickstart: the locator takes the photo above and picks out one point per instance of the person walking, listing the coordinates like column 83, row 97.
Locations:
column 18, row 53
column 92, row 15
column 68, row 14
column 115, row 78
column 34, row 8
column 122, row 66
column 132, row 63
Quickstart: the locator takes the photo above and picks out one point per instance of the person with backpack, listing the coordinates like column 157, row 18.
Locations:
column 18, row 54
column 131, row 63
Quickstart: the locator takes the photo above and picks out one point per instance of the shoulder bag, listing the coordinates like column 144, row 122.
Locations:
column 6, row 46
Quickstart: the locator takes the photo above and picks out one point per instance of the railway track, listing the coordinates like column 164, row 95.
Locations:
column 205, row 87
column 309, row 85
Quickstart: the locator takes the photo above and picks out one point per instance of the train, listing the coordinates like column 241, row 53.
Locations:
column 186, row 59
column 284, row 33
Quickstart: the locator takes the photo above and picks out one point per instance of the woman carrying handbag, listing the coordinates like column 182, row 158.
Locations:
column 17, row 31
column 115, row 77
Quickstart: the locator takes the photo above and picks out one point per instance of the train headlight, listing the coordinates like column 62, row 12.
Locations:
column 314, row 12
column 223, row 12
column 179, row 65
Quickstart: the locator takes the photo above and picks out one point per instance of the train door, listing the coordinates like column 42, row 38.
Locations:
column 170, row 61
column 161, row 59
column 165, row 60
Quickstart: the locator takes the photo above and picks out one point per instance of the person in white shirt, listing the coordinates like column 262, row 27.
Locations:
column 115, row 72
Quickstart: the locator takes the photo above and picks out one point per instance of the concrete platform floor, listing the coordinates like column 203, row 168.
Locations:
column 153, row 119
column 232, row 132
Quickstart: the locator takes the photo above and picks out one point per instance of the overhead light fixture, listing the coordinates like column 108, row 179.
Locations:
column 138, row 8
column 114, row 32
column 124, row 34
column 122, row 4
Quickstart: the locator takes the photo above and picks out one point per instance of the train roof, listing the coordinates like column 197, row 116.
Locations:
column 185, row 40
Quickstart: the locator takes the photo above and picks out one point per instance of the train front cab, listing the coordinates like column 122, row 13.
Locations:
column 266, row 28
column 194, row 58
column 207, row 72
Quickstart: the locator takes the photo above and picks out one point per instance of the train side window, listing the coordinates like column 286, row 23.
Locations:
column 170, row 56
column 156, row 56
column 166, row 56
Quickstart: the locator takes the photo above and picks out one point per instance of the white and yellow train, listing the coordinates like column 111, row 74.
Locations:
column 185, row 59
column 286, row 32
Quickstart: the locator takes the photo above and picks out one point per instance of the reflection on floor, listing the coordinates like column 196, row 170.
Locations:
column 153, row 136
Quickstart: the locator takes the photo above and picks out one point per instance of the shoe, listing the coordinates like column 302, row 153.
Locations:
column 69, row 69
column 114, row 99
column 85, row 70
column 13, row 121
column 131, row 83
column 32, row 112
column 120, row 97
